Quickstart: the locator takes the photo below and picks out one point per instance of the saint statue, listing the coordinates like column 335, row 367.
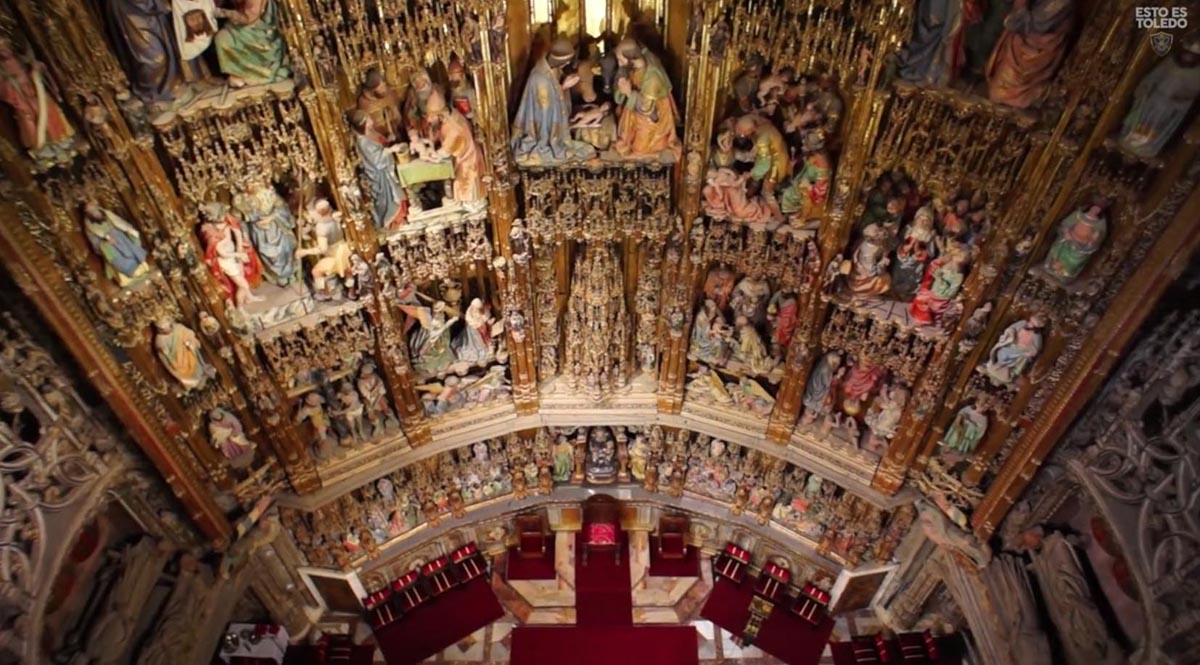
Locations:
column 381, row 103
column 1080, row 235
column 883, row 418
column 272, row 230
column 462, row 93
column 180, row 352
column 1162, row 101
column 936, row 53
column 783, row 317
column 431, row 351
column 819, row 394
column 750, row 349
column 117, row 243
column 806, row 193
column 914, row 253
column 563, row 455
column 1029, row 51
column 967, row 430
column 227, row 435
column 772, row 162
column 312, row 409
column 229, row 255
column 333, row 252
column 250, row 48
column 1016, row 349
column 453, row 133
column 421, row 93
column 541, row 130
column 869, row 276
column 42, row 128
column 936, row 296
column 148, row 49
column 474, row 343
column 388, row 204
column 374, row 394
column 647, row 119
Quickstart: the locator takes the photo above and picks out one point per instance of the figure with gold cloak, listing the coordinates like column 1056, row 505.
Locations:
column 1029, row 52
column 453, row 132
column 541, row 132
column 179, row 350
column 250, row 48
column 647, row 124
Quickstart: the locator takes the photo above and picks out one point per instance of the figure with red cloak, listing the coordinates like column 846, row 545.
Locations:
column 230, row 256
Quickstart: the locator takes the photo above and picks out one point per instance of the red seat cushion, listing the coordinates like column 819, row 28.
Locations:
column 601, row 534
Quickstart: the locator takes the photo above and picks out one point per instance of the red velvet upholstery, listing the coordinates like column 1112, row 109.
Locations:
column 601, row 518
column 531, row 536
column 440, row 576
column 672, row 536
column 732, row 563
column 407, row 591
column 469, row 561
column 812, row 604
column 380, row 611
column 772, row 582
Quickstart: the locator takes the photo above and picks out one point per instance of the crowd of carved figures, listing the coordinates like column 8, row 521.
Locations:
column 750, row 483
column 294, row 227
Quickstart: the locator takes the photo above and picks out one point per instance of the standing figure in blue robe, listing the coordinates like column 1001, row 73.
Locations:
column 541, row 132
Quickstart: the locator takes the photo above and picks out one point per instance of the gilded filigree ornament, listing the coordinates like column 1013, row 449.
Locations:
column 597, row 350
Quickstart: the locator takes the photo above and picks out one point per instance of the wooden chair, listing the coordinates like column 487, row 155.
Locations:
column 531, row 536
column 601, row 526
column 672, row 536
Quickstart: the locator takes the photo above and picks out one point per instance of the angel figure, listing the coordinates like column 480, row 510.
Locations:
column 431, row 349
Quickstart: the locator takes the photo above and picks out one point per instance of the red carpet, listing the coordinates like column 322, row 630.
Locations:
column 538, row 568
column 728, row 604
column 688, row 566
column 557, row 645
column 603, row 595
column 604, row 633
column 783, row 635
column 439, row 623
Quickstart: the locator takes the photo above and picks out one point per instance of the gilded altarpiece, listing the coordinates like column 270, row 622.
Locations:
column 404, row 224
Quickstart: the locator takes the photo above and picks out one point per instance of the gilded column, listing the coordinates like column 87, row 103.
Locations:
column 491, row 74
column 705, row 78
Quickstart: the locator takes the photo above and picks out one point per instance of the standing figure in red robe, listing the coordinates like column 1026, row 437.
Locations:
column 229, row 255
column 44, row 130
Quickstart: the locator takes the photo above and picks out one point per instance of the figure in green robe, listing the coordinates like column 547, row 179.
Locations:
column 250, row 48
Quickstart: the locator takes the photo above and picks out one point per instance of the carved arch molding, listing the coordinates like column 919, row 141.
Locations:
column 809, row 506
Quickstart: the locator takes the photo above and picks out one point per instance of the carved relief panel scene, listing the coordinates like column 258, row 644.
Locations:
column 821, row 324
